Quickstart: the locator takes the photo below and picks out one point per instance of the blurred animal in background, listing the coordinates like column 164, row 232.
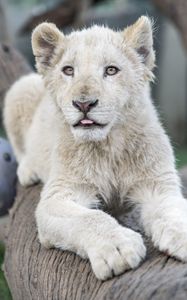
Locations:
column 8, row 168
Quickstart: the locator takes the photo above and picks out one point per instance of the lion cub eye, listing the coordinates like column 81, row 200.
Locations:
column 68, row 70
column 111, row 70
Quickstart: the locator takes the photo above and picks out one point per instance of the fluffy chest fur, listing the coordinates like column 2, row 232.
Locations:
column 107, row 167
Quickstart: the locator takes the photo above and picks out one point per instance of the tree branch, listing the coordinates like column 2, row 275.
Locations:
column 176, row 10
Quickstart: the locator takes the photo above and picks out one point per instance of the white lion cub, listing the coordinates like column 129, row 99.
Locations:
column 86, row 127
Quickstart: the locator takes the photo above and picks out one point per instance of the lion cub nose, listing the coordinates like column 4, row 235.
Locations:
column 85, row 106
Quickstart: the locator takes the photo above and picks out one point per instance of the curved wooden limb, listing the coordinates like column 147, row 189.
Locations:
column 36, row 273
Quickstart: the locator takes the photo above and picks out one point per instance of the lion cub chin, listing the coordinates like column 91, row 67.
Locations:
column 86, row 127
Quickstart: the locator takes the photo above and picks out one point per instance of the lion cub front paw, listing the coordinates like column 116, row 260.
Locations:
column 171, row 237
column 26, row 175
column 116, row 253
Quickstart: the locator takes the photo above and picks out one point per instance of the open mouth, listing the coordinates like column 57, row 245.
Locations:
column 87, row 123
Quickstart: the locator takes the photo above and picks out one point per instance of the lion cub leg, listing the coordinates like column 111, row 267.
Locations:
column 164, row 216
column 64, row 223
column 26, row 174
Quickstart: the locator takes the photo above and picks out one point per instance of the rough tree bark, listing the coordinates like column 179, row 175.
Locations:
column 176, row 10
column 34, row 273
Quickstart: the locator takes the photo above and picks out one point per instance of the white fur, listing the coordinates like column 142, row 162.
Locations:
column 81, row 169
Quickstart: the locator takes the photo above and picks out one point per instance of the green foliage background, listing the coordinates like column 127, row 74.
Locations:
column 4, row 290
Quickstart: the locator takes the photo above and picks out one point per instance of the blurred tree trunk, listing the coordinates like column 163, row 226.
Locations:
column 65, row 13
column 4, row 36
column 176, row 10
column 82, row 8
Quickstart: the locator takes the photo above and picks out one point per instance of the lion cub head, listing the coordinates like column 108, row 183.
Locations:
column 94, row 74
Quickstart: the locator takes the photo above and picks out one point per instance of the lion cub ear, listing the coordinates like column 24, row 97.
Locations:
column 46, row 38
column 140, row 37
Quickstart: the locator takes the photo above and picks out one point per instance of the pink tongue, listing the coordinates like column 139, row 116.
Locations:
column 86, row 122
